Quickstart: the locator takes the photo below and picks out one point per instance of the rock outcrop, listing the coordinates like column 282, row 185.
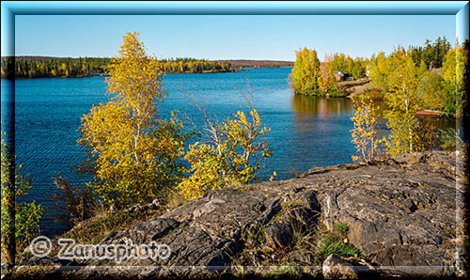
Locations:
column 404, row 216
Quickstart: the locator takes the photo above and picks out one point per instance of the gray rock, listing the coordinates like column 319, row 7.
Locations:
column 142, row 233
column 401, row 214
column 302, row 258
column 155, row 204
column 336, row 268
column 309, row 200
column 136, row 208
column 300, row 219
column 207, row 208
column 278, row 235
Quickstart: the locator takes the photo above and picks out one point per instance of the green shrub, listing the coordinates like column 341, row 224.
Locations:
column 432, row 92
column 450, row 140
column 331, row 245
column 28, row 215
column 27, row 220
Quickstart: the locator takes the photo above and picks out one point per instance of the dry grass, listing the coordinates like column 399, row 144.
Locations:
column 356, row 87
column 175, row 200
column 94, row 230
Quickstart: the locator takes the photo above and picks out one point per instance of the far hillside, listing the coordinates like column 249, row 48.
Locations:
column 244, row 63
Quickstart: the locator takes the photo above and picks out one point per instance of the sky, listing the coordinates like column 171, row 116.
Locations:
column 270, row 37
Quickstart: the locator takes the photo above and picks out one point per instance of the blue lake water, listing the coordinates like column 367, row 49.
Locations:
column 305, row 131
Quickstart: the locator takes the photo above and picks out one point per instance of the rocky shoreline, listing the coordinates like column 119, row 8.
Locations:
column 401, row 217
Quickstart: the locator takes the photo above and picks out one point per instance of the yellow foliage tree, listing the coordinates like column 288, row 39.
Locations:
column 432, row 92
column 379, row 69
column 304, row 76
column 133, row 154
column 453, row 72
column 453, row 69
column 402, row 82
column 326, row 79
column 232, row 156
column 364, row 134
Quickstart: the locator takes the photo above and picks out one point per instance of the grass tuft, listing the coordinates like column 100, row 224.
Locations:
column 341, row 228
column 331, row 245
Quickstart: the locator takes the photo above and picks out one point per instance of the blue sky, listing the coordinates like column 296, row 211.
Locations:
column 273, row 37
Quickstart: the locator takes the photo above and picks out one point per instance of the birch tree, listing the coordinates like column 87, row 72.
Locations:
column 401, row 98
column 133, row 154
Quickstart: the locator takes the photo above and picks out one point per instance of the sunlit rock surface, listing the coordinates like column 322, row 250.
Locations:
column 403, row 214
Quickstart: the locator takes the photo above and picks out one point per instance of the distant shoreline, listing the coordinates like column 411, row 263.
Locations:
column 190, row 66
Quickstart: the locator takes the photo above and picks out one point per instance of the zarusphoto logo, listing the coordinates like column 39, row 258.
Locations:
column 41, row 246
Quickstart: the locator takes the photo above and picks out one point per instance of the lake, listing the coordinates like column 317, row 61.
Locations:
column 305, row 131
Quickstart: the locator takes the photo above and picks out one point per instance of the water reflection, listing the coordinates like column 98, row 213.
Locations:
column 440, row 123
column 322, row 128
column 313, row 107
column 321, row 131
column 309, row 107
column 443, row 123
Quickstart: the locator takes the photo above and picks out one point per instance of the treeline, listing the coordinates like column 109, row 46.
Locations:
column 244, row 63
column 312, row 77
column 356, row 67
column 439, row 82
column 38, row 67
column 439, row 75
column 432, row 53
column 191, row 65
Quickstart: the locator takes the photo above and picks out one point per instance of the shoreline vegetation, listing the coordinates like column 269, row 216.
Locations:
column 436, row 76
column 26, row 67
